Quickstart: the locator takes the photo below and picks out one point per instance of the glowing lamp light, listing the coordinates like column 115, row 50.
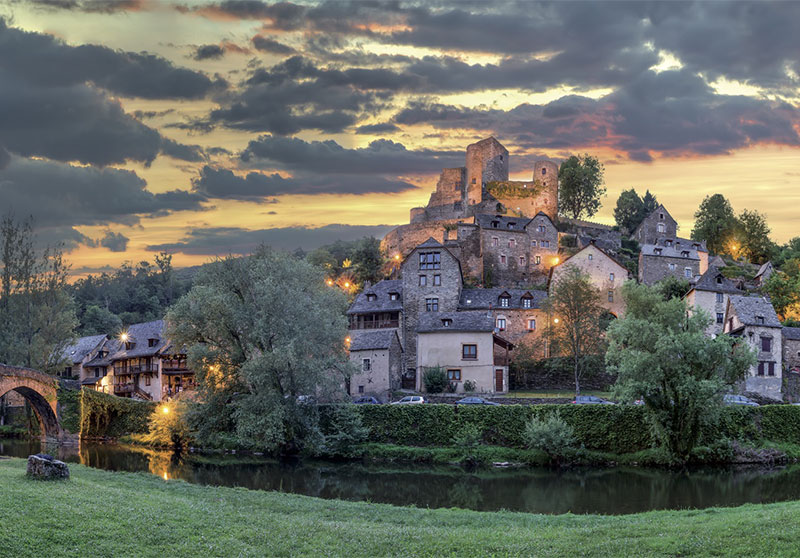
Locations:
column 166, row 476
column 555, row 320
column 347, row 284
column 397, row 256
column 347, row 340
column 165, row 410
column 555, row 261
column 124, row 337
column 330, row 282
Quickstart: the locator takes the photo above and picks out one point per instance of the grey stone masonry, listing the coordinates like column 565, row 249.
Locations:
column 658, row 224
column 45, row 467
column 432, row 282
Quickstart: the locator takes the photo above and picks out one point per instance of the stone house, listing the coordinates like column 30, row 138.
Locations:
column 605, row 273
column 659, row 224
column 753, row 319
column 672, row 257
column 467, row 347
column 763, row 274
column 377, row 356
column 710, row 293
column 78, row 354
column 791, row 348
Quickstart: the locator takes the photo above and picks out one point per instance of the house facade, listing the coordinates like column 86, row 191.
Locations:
column 78, row 354
column 791, row 348
column 753, row 320
column 377, row 356
column 710, row 293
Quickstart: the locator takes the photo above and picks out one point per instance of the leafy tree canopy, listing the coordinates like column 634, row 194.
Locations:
column 715, row 223
column 752, row 236
column 580, row 186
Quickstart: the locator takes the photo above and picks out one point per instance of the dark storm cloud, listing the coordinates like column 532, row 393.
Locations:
column 265, row 44
column 220, row 241
column 44, row 61
column 206, row 52
column 673, row 112
column 115, row 242
column 382, row 128
column 222, row 183
column 60, row 195
column 90, row 6
column 328, row 157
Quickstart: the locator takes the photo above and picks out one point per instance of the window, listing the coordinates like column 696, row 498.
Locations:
column 611, row 296
column 541, row 228
column 371, row 297
column 771, row 370
column 147, row 380
column 456, row 186
column 152, row 342
column 544, row 172
column 720, row 317
column 719, row 280
column 393, row 296
column 503, row 259
column 527, row 302
column 661, row 216
column 720, row 298
column 447, row 322
column 423, row 280
column 657, row 251
column 469, row 352
column 591, row 257
column 610, row 276
column 360, row 389
column 538, row 260
column 96, row 372
column 430, row 260
column 473, row 181
column 531, row 324
column 366, row 365
column 501, row 324
column 545, row 244
column 760, row 320
column 672, row 267
column 432, row 304
column 669, row 243
column 454, row 375
column 504, row 300
column 661, row 228
column 495, row 224
column 437, row 280
column 761, row 368
column 685, row 253
column 766, row 344
column 495, row 241
column 510, row 225
column 512, row 243
column 522, row 260
column 687, row 272
column 533, row 244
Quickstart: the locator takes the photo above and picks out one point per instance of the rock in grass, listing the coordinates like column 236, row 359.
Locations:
column 45, row 467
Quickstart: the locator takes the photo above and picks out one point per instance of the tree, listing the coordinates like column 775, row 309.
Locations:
column 576, row 320
column 37, row 314
column 97, row 321
column 263, row 333
column 660, row 353
column 715, row 223
column 368, row 260
column 784, row 293
column 580, row 186
column 672, row 287
column 629, row 211
column 752, row 235
column 650, row 203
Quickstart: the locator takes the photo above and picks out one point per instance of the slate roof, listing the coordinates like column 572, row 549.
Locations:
column 140, row 333
column 483, row 299
column 792, row 333
column 670, row 251
column 372, row 340
column 110, row 346
column 485, row 222
column 747, row 308
column 382, row 302
column 90, row 381
column 82, row 347
column 708, row 282
column 763, row 269
column 430, row 243
column 717, row 262
column 476, row 321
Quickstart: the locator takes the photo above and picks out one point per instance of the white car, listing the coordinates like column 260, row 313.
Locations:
column 410, row 400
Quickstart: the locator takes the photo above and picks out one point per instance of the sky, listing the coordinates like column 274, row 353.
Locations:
column 206, row 128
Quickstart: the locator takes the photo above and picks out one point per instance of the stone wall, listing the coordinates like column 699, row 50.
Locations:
column 384, row 374
column 648, row 233
column 505, row 255
column 599, row 267
column 791, row 353
column 653, row 269
column 479, row 170
column 403, row 239
column 767, row 386
column 707, row 301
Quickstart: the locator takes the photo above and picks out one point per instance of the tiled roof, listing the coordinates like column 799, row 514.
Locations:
column 459, row 321
column 670, row 251
column 708, row 282
column 382, row 302
column 431, row 243
column 110, row 346
column 748, row 308
column 372, row 340
column 503, row 221
column 792, row 333
column 140, row 334
column 482, row 299
column 763, row 269
column 82, row 347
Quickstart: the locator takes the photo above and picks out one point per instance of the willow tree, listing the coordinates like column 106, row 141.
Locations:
column 264, row 335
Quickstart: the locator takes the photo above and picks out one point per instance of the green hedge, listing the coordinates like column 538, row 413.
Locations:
column 69, row 409
column 609, row 428
column 109, row 416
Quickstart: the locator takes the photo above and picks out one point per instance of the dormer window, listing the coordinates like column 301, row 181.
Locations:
column 394, row 296
column 760, row 320
column 495, row 224
column 152, row 342
column 527, row 301
column 371, row 297
column 510, row 225
column 447, row 322
column 129, row 345
column 504, row 301
column 719, row 280
column 685, row 253
column 657, row 251
column 669, row 243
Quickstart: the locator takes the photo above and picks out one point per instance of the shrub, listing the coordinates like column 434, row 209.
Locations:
column 343, row 432
column 109, row 416
column 551, row 434
column 469, row 386
column 452, row 387
column 468, row 436
column 435, row 379
column 168, row 426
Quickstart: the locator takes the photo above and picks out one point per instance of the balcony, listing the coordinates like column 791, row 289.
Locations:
column 124, row 388
column 374, row 324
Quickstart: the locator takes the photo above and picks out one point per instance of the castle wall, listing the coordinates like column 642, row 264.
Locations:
column 403, row 239
column 449, row 188
column 480, row 169
column 546, row 173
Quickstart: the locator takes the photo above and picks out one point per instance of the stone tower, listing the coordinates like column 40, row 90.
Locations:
column 546, row 172
column 487, row 160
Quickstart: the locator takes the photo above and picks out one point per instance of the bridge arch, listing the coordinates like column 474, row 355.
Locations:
column 40, row 390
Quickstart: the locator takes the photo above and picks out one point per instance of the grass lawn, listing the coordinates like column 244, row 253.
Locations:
column 557, row 394
column 100, row 513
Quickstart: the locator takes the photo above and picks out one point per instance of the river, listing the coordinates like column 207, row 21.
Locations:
column 618, row 490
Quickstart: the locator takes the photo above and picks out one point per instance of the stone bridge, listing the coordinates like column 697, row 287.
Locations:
column 40, row 390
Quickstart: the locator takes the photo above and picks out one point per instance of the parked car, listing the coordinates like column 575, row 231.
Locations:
column 591, row 400
column 475, row 401
column 410, row 400
column 366, row 400
column 730, row 399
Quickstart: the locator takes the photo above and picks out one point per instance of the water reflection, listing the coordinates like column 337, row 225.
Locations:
column 584, row 490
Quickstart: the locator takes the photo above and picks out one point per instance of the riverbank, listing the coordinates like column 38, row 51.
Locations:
column 102, row 513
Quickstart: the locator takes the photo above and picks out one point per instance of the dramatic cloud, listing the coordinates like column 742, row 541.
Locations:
column 223, row 183
column 115, row 242
column 90, row 6
column 222, row 241
column 381, row 157
column 204, row 52
column 265, row 44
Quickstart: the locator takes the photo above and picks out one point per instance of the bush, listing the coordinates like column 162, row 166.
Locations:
column 109, row 416
column 551, row 435
column 469, row 386
column 468, row 436
column 343, row 432
column 168, row 426
column 435, row 379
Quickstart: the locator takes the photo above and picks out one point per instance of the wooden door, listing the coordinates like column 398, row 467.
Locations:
column 498, row 380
